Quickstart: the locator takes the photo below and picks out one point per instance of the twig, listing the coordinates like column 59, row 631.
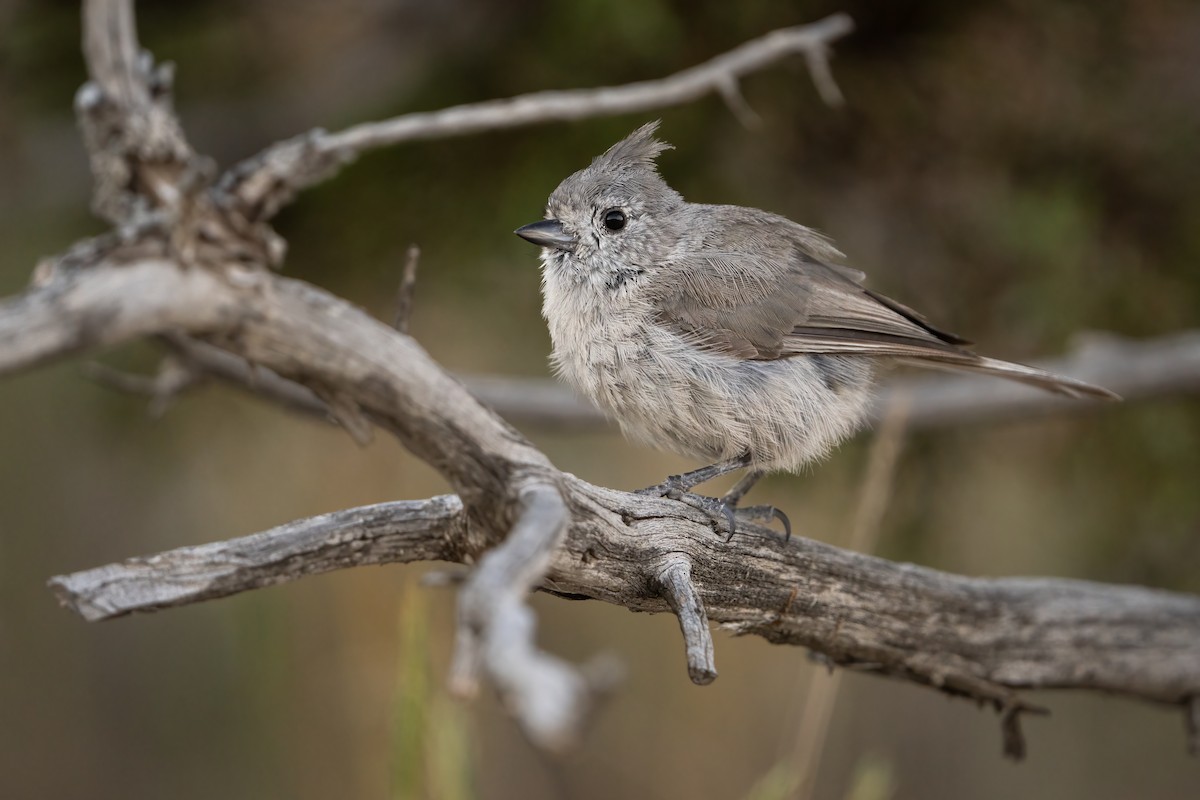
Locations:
column 267, row 181
column 210, row 360
column 731, row 92
column 551, row 106
column 881, row 473
column 1013, row 736
column 111, row 51
column 675, row 583
column 496, row 629
column 172, row 379
column 817, row 59
column 404, row 295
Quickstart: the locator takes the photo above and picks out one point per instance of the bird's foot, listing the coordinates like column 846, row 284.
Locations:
column 719, row 508
column 763, row 513
column 673, row 488
column 676, row 485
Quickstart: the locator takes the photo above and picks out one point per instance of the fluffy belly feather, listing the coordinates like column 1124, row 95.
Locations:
column 663, row 392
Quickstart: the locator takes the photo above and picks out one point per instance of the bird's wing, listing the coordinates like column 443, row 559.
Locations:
column 760, row 287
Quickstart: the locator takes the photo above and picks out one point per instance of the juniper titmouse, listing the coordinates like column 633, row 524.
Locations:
column 721, row 332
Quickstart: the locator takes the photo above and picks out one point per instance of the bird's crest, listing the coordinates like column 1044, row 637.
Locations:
column 639, row 148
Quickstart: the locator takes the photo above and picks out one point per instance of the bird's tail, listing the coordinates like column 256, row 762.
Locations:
column 1059, row 384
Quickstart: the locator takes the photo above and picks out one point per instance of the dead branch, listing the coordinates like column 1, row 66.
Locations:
column 404, row 294
column 979, row 637
column 387, row 533
column 268, row 181
column 1138, row 370
column 189, row 262
column 496, row 627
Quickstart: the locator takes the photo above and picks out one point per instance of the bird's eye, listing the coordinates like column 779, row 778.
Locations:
column 614, row 219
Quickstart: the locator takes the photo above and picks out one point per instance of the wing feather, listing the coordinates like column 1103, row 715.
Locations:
column 760, row 287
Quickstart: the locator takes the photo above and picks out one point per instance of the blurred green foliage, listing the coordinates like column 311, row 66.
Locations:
column 430, row 748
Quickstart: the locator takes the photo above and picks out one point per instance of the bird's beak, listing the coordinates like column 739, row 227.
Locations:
column 547, row 233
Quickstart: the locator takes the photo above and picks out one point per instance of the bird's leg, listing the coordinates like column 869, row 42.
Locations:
column 762, row 513
column 735, row 494
column 676, row 485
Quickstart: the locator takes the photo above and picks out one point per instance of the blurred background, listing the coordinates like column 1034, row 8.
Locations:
column 1021, row 171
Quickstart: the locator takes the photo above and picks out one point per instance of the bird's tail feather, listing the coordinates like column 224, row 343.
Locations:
column 1059, row 384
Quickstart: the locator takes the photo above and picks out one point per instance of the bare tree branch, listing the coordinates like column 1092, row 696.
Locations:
column 496, row 629
column 190, row 264
column 1146, row 642
column 78, row 310
column 137, row 149
column 387, row 533
column 1138, row 370
column 269, row 180
column 978, row 637
column 408, row 284
column 675, row 584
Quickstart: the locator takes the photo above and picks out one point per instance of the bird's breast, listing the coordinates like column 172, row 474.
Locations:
column 600, row 348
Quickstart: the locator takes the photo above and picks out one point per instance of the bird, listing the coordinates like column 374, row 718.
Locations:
column 721, row 332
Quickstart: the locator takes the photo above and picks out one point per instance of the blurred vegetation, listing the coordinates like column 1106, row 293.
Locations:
column 1020, row 170
column 431, row 753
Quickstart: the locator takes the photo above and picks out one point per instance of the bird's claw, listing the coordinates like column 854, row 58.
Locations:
column 715, row 508
column 719, row 508
column 767, row 513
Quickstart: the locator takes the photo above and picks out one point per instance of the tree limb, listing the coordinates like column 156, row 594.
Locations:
column 978, row 637
column 268, row 181
column 387, row 533
column 78, row 310
column 496, row 628
column 674, row 579
column 190, row 264
column 138, row 153
column 1138, row 370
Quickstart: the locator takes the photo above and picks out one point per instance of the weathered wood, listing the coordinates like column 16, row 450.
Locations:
column 978, row 637
column 189, row 262
column 387, row 533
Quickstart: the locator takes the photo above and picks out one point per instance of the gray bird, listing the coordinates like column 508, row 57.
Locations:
column 721, row 332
